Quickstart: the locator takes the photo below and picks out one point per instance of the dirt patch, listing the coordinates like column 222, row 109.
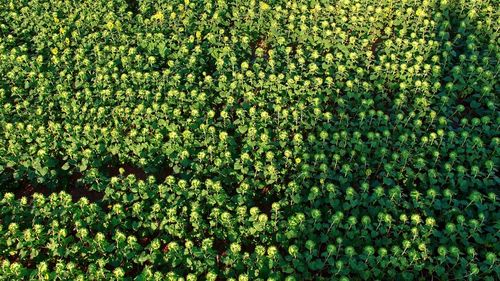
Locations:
column 375, row 45
column 27, row 189
column 262, row 44
column 114, row 171
column 73, row 187
column 134, row 271
column 163, row 172
column 144, row 241
column 265, row 199
column 165, row 248
column 220, row 246
column 79, row 192
column 133, row 6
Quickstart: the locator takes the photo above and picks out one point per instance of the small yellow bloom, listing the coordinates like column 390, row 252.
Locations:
column 264, row 6
column 158, row 16
column 110, row 25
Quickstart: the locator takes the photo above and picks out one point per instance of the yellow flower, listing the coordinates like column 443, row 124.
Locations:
column 264, row 6
column 158, row 16
column 110, row 25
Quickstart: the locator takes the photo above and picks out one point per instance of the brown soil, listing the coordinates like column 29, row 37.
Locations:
column 114, row 171
column 27, row 189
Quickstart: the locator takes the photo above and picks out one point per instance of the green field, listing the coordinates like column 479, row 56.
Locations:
column 249, row 140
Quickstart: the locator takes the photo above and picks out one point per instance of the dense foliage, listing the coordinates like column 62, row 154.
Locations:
column 248, row 140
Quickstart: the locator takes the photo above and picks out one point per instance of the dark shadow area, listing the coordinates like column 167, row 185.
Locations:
column 133, row 6
column 77, row 190
column 111, row 170
column 264, row 200
column 162, row 172
column 27, row 189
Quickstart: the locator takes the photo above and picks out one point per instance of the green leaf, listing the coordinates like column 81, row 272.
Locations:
column 242, row 129
column 83, row 166
column 65, row 167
